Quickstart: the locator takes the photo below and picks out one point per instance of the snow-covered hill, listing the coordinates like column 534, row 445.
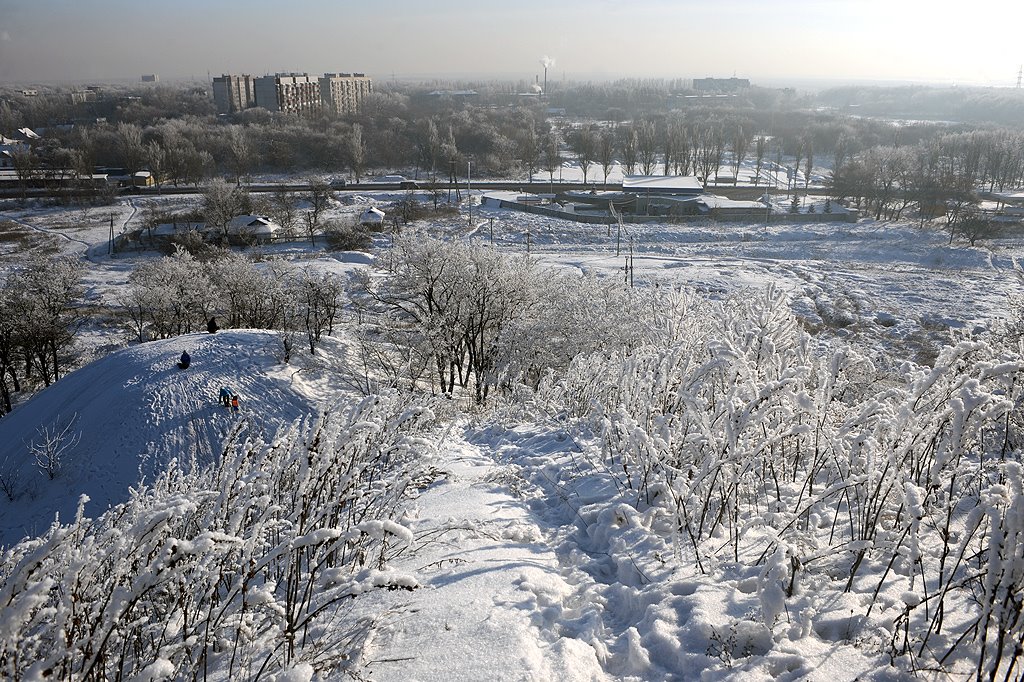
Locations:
column 133, row 411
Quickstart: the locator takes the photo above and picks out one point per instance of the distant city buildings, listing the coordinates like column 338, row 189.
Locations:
column 292, row 93
column 720, row 84
column 150, row 78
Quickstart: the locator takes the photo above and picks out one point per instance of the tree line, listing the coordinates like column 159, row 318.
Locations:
column 40, row 314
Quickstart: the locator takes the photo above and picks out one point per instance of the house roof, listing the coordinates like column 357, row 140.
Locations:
column 714, row 201
column 662, row 183
column 252, row 224
column 372, row 214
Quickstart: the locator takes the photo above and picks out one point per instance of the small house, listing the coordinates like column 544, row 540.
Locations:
column 372, row 217
column 253, row 228
column 142, row 179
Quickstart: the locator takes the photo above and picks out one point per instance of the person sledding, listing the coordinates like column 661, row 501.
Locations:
column 185, row 360
column 225, row 397
column 211, row 326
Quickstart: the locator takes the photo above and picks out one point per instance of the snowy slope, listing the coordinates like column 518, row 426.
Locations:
column 132, row 412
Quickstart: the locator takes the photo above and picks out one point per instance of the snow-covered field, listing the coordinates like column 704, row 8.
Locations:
column 523, row 559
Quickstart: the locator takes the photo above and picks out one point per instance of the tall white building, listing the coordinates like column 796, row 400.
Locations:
column 342, row 93
column 291, row 93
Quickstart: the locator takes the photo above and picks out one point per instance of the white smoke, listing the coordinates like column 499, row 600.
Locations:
column 547, row 62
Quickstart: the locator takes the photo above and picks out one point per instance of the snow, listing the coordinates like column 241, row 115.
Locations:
column 134, row 411
column 520, row 560
column 490, row 584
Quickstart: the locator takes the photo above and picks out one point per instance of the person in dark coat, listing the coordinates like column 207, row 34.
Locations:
column 225, row 397
column 185, row 360
column 211, row 326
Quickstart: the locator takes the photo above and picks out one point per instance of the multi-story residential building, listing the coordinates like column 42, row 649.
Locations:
column 342, row 93
column 233, row 93
column 290, row 93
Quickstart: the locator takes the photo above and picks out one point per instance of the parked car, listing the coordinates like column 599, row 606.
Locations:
column 408, row 184
column 338, row 183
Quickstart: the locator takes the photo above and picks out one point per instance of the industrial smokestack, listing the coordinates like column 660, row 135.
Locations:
column 546, row 62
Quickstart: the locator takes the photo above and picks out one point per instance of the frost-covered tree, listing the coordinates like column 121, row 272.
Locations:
column 170, row 296
column 44, row 297
column 452, row 302
column 222, row 202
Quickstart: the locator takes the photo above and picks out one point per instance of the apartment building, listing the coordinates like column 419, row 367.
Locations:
column 342, row 93
column 233, row 93
column 290, row 93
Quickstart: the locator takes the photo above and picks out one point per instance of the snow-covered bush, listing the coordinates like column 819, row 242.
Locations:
column 759, row 450
column 238, row 570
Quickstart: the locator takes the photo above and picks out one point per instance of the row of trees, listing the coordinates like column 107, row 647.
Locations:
column 179, row 294
column 188, row 150
column 39, row 317
column 941, row 176
column 671, row 145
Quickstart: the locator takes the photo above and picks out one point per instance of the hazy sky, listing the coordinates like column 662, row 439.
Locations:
column 924, row 40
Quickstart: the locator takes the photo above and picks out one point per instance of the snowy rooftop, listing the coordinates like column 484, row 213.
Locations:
column 662, row 183
column 713, row 201
column 253, row 224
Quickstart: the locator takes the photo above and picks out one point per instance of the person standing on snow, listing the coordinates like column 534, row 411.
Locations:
column 225, row 397
column 211, row 326
column 234, row 402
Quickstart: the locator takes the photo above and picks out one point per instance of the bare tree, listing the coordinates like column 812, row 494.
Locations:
column 283, row 209
column 156, row 160
column 584, row 146
column 222, row 202
column 129, row 142
column 606, row 151
column 552, row 155
column 760, row 151
column 319, row 197
column 647, row 146
column 668, row 145
column 243, row 156
column 740, row 146
column 628, row 143
column 809, row 163
column 51, row 448
column 356, row 151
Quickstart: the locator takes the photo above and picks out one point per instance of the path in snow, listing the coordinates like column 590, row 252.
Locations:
column 490, row 581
